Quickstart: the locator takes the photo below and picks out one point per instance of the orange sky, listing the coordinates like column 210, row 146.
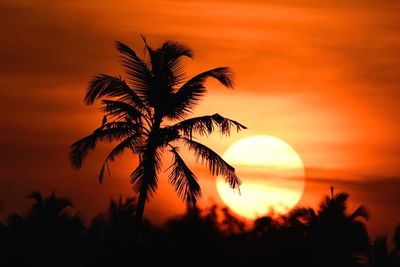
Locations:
column 324, row 77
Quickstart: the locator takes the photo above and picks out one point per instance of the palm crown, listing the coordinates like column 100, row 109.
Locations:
column 146, row 115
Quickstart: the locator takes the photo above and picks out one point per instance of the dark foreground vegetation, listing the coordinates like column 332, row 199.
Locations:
column 51, row 233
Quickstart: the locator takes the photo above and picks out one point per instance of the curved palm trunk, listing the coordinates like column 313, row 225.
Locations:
column 149, row 173
column 141, row 204
column 149, row 169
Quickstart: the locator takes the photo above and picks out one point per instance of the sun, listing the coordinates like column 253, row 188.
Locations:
column 272, row 174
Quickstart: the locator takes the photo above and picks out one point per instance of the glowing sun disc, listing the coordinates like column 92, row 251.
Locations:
column 272, row 174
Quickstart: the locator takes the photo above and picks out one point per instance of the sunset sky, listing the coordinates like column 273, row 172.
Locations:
column 322, row 75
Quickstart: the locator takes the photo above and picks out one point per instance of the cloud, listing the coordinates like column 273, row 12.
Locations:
column 42, row 46
column 371, row 188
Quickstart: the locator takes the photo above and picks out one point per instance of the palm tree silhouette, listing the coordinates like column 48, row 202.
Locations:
column 50, row 209
column 122, row 212
column 333, row 214
column 54, row 213
column 142, row 117
column 46, row 234
column 118, row 223
column 335, row 233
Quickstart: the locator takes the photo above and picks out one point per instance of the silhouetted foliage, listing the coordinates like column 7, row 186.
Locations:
column 114, row 235
column 231, row 225
column 334, row 234
column 396, row 238
column 50, row 234
column 146, row 115
column 380, row 252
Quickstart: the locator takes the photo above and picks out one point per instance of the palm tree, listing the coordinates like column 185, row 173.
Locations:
column 121, row 214
column 146, row 115
column 52, row 213
column 337, row 234
column 51, row 209
column 50, row 233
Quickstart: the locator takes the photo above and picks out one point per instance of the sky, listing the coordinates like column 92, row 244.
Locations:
column 324, row 76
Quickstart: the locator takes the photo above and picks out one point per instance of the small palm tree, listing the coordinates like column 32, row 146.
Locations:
column 146, row 115
column 333, row 213
column 337, row 234
column 122, row 212
column 52, row 212
column 49, row 209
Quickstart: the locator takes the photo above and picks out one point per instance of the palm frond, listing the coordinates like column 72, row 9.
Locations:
column 101, row 174
column 59, row 203
column 360, row 212
column 204, row 125
column 138, row 71
column 184, row 180
column 168, row 135
column 108, row 86
column 216, row 165
column 133, row 143
column 144, row 178
column 113, row 131
column 304, row 215
column 171, row 54
column 183, row 101
column 341, row 197
column 178, row 74
column 172, row 51
column 154, row 57
column 120, row 109
column 221, row 74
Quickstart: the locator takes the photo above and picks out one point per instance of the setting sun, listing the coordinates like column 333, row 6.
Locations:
column 272, row 174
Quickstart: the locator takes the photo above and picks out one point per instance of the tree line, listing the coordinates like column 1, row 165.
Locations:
column 53, row 233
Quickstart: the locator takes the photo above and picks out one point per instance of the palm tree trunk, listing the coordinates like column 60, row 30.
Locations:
column 149, row 168
column 148, row 173
column 141, row 204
